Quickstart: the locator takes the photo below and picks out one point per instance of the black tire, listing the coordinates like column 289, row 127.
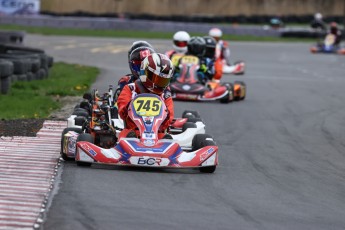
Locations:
column 66, row 130
column 230, row 96
column 18, row 48
column 21, row 64
column 50, row 61
column 30, row 76
column 208, row 169
column 79, row 120
column 198, row 141
column 81, row 113
column 5, row 84
column 188, row 125
column 22, row 77
column 89, row 138
column 6, row 68
column 194, row 113
column 243, row 87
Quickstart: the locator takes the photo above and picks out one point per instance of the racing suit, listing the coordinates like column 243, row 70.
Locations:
column 337, row 34
column 222, row 53
column 125, row 80
column 126, row 96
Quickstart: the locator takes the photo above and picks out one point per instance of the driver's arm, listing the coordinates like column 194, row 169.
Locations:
column 123, row 101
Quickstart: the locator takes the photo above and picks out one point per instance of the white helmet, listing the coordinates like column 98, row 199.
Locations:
column 216, row 33
column 180, row 40
column 318, row 16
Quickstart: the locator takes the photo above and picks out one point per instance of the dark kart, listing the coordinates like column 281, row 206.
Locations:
column 327, row 46
column 187, row 85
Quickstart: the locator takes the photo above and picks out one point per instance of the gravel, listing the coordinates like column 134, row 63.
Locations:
column 29, row 127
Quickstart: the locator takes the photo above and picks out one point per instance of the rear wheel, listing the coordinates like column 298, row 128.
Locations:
column 188, row 125
column 89, row 138
column 190, row 113
column 230, row 96
column 243, row 87
column 66, row 130
column 199, row 139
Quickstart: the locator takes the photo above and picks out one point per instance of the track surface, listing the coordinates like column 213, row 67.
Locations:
column 282, row 150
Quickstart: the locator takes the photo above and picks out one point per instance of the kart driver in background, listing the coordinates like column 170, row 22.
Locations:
column 156, row 72
column 180, row 40
column 222, row 50
column 318, row 24
column 336, row 32
column 196, row 46
column 136, row 54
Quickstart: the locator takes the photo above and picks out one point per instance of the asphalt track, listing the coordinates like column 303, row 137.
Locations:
column 281, row 151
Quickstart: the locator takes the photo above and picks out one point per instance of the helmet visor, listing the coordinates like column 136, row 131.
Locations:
column 180, row 43
column 158, row 79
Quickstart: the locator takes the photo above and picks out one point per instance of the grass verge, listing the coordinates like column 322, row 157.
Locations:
column 37, row 99
column 137, row 34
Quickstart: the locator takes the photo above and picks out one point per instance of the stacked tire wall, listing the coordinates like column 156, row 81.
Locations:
column 21, row 63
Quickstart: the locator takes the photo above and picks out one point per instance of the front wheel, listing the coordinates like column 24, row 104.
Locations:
column 229, row 97
column 88, row 138
column 66, row 130
column 190, row 113
column 208, row 169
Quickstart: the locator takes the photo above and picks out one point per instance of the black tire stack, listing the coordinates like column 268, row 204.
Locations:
column 21, row 63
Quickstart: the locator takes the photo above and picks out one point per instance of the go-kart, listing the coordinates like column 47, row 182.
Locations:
column 145, row 149
column 327, row 46
column 237, row 68
column 188, row 86
column 98, row 116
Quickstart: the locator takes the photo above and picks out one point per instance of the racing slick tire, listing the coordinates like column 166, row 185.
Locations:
column 243, row 90
column 208, row 169
column 79, row 120
column 198, row 141
column 186, row 114
column 89, row 138
column 230, row 96
column 188, row 125
column 66, row 130
column 80, row 112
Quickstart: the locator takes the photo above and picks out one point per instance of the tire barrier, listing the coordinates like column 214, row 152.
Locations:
column 12, row 36
column 21, row 63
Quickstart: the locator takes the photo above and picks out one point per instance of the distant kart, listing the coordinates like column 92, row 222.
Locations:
column 238, row 68
column 145, row 149
column 188, row 86
column 327, row 46
column 98, row 117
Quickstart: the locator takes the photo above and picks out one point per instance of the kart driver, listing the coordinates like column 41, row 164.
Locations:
column 196, row 46
column 222, row 50
column 136, row 54
column 336, row 32
column 318, row 23
column 214, row 67
column 156, row 73
column 180, row 40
